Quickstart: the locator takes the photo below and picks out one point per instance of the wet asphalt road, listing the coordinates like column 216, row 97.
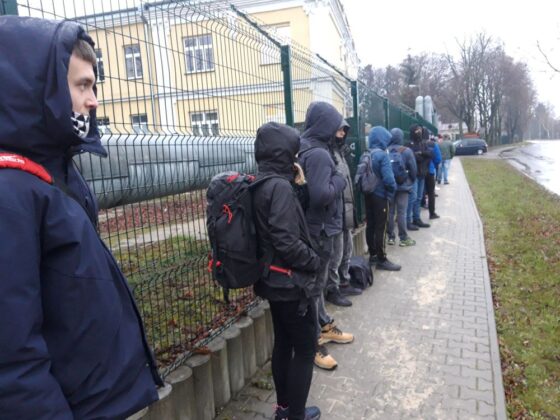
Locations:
column 538, row 159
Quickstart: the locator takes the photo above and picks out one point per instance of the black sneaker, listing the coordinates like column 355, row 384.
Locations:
column 347, row 290
column 372, row 259
column 434, row 216
column 337, row 299
column 412, row 226
column 420, row 223
column 311, row 413
column 388, row 266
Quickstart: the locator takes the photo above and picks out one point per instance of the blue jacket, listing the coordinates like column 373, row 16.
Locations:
column 436, row 157
column 72, row 345
column 379, row 138
column 396, row 142
column 325, row 183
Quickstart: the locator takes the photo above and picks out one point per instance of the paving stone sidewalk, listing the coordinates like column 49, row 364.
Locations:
column 426, row 344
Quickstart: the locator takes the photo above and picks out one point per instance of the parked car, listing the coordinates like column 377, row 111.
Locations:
column 470, row 146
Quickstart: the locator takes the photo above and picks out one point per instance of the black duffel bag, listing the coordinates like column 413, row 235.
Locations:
column 361, row 275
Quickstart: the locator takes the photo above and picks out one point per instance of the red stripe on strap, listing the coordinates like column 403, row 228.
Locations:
column 281, row 270
column 13, row 161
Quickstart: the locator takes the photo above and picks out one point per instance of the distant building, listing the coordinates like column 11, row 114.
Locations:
column 451, row 129
column 173, row 67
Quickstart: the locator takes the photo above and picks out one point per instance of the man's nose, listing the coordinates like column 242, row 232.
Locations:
column 92, row 102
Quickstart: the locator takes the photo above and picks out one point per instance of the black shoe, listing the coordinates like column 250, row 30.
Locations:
column 412, row 226
column 347, row 290
column 372, row 259
column 337, row 299
column 420, row 223
column 387, row 265
column 311, row 413
column 434, row 216
column 446, row 182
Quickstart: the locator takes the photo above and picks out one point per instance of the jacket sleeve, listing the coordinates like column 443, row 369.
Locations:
column 387, row 174
column 437, row 155
column 410, row 163
column 324, row 186
column 284, row 231
column 29, row 391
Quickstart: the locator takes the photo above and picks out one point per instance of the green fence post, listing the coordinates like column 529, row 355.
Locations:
column 386, row 111
column 356, row 129
column 8, row 7
column 287, row 76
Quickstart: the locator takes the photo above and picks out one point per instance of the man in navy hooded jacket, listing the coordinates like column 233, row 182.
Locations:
column 377, row 203
column 325, row 210
column 72, row 345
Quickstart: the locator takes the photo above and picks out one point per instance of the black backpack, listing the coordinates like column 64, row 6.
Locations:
column 360, row 273
column 234, row 262
column 397, row 163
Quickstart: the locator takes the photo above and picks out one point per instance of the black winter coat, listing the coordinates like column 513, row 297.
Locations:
column 283, row 234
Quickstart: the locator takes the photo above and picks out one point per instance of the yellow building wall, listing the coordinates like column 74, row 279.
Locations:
column 244, row 87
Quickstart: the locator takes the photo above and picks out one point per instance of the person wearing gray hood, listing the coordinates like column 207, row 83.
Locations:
column 338, row 282
column 324, row 211
column 400, row 200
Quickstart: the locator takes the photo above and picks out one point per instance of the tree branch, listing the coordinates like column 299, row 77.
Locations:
column 557, row 70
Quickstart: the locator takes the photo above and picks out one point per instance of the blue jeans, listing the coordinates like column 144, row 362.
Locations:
column 444, row 170
column 419, row 195
column 411, row 201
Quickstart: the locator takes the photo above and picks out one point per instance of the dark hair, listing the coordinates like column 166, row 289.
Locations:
column 83, row 49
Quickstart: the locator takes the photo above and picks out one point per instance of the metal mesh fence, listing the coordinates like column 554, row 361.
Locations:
column 183, row 87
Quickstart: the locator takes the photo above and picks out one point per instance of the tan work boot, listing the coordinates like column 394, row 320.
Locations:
column 324, row 360
column 330, row 332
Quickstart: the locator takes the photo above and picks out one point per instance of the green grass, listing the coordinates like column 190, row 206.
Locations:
column 180, row 304
column 522, row 234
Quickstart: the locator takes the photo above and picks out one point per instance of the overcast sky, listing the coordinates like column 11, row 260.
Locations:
column 385, row 31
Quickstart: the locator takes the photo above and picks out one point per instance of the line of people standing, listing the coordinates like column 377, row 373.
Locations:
column 307, row 226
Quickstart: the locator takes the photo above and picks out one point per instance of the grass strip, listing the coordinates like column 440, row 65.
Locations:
column 522, row 234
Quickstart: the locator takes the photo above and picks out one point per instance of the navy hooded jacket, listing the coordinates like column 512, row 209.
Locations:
column 396, row 142
column 72, row 345
column 379, row 138
column 325, row 183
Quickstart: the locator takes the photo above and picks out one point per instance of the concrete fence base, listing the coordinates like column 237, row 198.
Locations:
column 207, row 382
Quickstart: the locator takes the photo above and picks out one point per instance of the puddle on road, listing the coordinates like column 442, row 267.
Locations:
column 540, row 160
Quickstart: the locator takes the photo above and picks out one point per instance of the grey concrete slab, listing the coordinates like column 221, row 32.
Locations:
column 425, row 337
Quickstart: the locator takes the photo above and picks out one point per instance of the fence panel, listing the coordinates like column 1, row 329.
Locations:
column 183, row 87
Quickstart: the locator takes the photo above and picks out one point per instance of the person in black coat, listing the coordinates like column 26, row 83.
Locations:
column 291, row 265
column 423, row 157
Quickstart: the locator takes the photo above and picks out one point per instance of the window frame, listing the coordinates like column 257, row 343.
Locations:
column 100, row 66
column 133, row 55
column 142, row 126
column 212, row 124
column 206, row 49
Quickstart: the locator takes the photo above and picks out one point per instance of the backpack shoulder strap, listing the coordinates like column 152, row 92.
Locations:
column 14, row 161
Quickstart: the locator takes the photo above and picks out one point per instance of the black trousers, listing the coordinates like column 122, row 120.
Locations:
column 377, row 212
column 295, row 344
column 431, row 191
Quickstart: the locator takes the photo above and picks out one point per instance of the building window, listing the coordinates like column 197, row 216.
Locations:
column 100, row 68
column 199, row 53
column 133, row 61
column 271, row 55
column 205, row 123
column 103, row 125
column 140, row 123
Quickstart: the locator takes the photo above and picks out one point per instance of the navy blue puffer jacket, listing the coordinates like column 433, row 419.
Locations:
column 72, row 345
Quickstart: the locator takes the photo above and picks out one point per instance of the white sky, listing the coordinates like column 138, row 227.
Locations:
column 386, row 31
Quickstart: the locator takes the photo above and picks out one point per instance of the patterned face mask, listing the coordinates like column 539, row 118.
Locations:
column 80, row 124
